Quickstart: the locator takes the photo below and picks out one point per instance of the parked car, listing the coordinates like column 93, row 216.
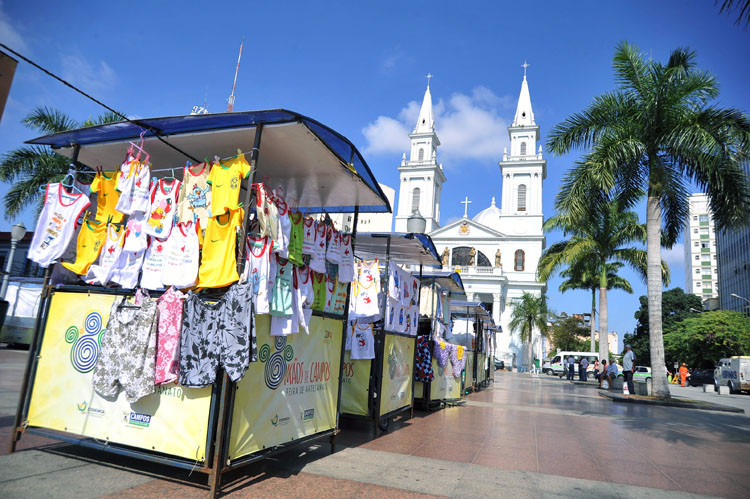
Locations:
column 700, row 377
column 499, row 364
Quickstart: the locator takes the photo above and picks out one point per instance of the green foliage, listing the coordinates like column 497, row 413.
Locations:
column 529, row 312
column 567, row 333
column 30, row 167
column 703, row 339
column 740, row 7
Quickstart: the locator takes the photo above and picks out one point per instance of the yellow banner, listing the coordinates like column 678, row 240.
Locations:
column 469, row 382
column 355, row 387
column 444, row 386
column 173, row 420
column 398, row 372
column 291, row 392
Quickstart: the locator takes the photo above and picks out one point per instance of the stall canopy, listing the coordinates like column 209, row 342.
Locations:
column 303, row 156
column 451, row 281
column 469, row 308
column 406, row 248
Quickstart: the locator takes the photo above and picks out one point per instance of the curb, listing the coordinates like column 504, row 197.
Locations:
column 706, row 406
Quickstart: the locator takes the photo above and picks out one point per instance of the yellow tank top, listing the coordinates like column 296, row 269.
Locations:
column 89, row 245
column 225, row 183
column 219, row 263
column 106, row 197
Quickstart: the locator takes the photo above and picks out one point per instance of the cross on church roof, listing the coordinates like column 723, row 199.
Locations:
column 524, row 66
column 466, row 204
column 428, row 79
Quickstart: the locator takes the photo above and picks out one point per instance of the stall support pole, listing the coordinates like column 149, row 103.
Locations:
column 343, row 336
column 381, row 349
column 217, row 464
column 18, row 427
column 249, row 194
column 416, row 336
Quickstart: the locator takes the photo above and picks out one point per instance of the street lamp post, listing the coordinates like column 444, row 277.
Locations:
column 740, row 297
column 16, row 234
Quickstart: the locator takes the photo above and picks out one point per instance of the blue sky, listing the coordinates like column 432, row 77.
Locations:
column 360, row 68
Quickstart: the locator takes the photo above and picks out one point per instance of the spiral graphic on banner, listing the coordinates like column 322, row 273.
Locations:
column 71, row 335
column 93, row 323
column 84, row 353
column 276, row 362
column 264, row 352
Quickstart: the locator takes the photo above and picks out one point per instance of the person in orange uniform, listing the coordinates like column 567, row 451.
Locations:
column 683, row 374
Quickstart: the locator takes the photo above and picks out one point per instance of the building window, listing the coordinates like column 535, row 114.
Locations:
column 421, row 155
column 520, row 261
column 697, row 257
column 695, row 231
column 523, row 148
column 703, row 218
column 522, row 197
column 695, row 218
column 415, row 199
column 695, row 244
column 462, row 257
column 697, row 271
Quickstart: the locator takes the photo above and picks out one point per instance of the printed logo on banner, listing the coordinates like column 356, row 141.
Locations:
column 85, row 347
column 136, row 419
column 84, row 408
column 308, row 414
column 277, row 421
column 327, row 336
column 276, row 362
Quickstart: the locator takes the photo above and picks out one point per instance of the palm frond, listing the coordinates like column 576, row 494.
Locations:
column 49, row 120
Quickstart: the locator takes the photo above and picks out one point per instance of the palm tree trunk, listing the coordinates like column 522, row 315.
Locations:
column 654, row 281
column 593, row 323
column 603, row 325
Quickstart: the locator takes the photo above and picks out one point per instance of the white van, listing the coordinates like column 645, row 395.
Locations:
column 558, row 364
column 733, row 372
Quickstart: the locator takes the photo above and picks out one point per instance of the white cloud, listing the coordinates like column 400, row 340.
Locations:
column 469, row 127
column 675, row 257
column 80, row 72
column 9, row 35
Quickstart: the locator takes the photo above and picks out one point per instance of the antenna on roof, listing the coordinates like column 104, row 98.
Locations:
column 201, row 109
column 230, row 107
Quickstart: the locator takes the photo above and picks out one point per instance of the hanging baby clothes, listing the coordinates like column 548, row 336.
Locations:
column 414, row 320
column 333, row 252
column 296, row 238
column 441, row 352
column 90, row 240
column 168, row 338
column 153, row 263
column 84, row 188
column 363, row 342
column 195, row 195
column 394, row 282
column 123, row 176
column 101, row 272
column 107, row 196
column 391, row 314
column 319, row 291
column 308, row 236
column 346, row 265
column 281, row 301
column 225, row 183
column 182, row 253
column 217, row 334
column 330, row 292
column 284, row 324
column 219, row 264
column 339, row 298
column 127, row 268
column 423, row 363
column 364, row 296
column 305, row 296
column 260, row 270
column 458, row 359
column 128, row 351
column 284, row 228
column 136, row 194
column 266, row 211
column 406, row 288
column 318, row 258
column 163, row 208
column 136, row 238
column 56, row 224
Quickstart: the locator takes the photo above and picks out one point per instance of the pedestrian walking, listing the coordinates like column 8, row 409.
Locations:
column 584, row 366
column 628, row 367
column 571, row 368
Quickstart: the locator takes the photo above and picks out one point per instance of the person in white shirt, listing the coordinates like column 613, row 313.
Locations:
column 584, row 363
column 628, row 366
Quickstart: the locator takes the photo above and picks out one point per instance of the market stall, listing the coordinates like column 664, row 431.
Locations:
column 380, row 384
column 470, row 320
column 249, row 361
column 439, row 364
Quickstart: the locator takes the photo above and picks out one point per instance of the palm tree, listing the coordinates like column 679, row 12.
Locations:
column 656, row 133
column 529, row 313
column 603, row 235
column 583, row 276
column 30, row 167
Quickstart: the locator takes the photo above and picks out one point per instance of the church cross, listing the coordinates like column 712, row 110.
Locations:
column 466, row 204
column 524, row 66
column 428, row 79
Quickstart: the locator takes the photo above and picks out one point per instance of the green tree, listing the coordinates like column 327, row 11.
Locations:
column 30, row 167
column 657, row 133
column 583, row 276
column 604, row 233
column 676, row 306
column 568, row 333
column 529, row 313
column 703, row 339
column 741, row 8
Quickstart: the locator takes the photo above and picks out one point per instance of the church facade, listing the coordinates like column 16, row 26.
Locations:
column 496, row 250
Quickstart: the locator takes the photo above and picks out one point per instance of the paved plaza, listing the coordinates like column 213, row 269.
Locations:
column 523, row 436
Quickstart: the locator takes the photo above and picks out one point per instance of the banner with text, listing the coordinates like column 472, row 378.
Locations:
column 291, row 392
column 398, row 371
column 355, row 388
column 173, row 420
column 445, row 386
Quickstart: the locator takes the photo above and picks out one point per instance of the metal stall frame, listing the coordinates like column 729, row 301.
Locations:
column 481, row 319
column 400, row 248
column 451, row 283
column 344, row 177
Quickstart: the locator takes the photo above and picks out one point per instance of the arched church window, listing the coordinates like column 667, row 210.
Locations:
column 523, row 148
column 520, row 261
column 421, row 155
column 415, row 199
column 462, row 257
column 522, row 197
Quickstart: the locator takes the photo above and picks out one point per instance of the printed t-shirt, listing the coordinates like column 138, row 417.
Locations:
column 363, row 342
column 195, row 195
column 107, row 196
column 163, row 207
column 225, row 184
column 153, row 264
column 260, row 269
column 346, row 266
column 296, row 238
column 219, row 264
column 180, row 267
column 281, row 301
column 101, row 273
column 90, row 241
column 319, row 291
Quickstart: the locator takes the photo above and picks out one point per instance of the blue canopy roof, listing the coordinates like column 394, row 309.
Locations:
column 318, row 168
column 448, row 280
column 406, row 248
